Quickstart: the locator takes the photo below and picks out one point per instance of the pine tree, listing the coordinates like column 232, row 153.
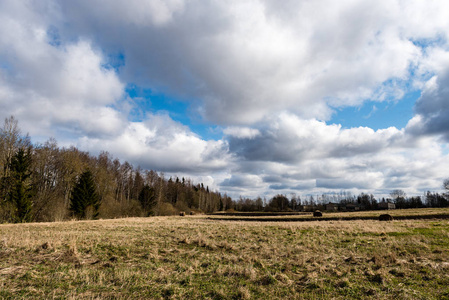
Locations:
column 84, row 196
column 147, row 198
column 21, row 191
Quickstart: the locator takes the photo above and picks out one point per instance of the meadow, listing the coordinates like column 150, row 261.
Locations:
column 201, row 257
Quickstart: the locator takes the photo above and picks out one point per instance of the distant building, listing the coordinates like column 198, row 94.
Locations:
column 307, row 208
column 353, row 207
column 386, row 205
column 332, row 207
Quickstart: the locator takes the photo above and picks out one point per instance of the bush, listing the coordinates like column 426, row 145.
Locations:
column 165, row 209
column 182, row 206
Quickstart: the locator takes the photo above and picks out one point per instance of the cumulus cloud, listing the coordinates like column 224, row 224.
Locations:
column 165, row 145
column 140, row 13
column 292, row 155
column 290, row 139
column 432, row 108
column 241, row 132
column 45, row 84
column 367, row 182
column 246, row 181
column 246, row 60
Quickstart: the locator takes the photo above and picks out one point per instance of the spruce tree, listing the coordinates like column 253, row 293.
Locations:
column 84, row 196
column 147, row 198
column 21, row 191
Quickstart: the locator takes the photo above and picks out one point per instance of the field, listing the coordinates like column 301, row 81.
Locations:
column 199, row 257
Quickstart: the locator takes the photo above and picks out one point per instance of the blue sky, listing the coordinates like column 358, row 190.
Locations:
column 148, row 102
column 372, row 114
column 378, row 115
column 252, row 97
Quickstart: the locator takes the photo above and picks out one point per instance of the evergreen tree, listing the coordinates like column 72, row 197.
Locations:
column 21, row 192
column 84, row 196
column 147, row 198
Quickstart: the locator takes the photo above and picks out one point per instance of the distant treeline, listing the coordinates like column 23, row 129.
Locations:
column 48, row 183
column 342, row 201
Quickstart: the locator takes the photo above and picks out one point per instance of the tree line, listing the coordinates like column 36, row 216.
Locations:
column 44, row 182
column 344, row 199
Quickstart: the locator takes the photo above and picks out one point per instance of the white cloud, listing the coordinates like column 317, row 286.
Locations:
column 46, row 85
column 288, row 138
column 295, row 155
column 432, row 108
column 162, row 144
column 140, row 13
column 246, row 181
column 247, row 60
column 241, row 132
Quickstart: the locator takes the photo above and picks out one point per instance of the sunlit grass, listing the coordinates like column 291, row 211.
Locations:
column 195, row 257
column 373, row 214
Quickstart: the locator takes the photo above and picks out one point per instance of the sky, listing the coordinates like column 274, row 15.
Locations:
column 251, row 97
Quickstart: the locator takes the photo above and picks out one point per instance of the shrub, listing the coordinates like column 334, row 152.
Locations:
column 165, row 209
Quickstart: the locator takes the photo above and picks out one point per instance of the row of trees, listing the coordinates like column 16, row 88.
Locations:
column 46, row 183
column 362, row 201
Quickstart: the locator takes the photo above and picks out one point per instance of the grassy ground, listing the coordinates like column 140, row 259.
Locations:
column 335, row 216
column 196, row 257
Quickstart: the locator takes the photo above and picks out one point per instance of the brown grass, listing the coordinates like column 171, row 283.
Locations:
column 195, row 257
column 329, row 216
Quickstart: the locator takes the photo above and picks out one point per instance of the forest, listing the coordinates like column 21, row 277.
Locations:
column 43, row 182
column 47, row 183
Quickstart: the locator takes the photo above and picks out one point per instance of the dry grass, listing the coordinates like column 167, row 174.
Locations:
column 373, row 214
column 195, row 257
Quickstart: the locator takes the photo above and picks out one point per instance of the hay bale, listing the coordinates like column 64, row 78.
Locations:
column 182, row 213
column 385, row 217
column 192, row 213
column 317, row 213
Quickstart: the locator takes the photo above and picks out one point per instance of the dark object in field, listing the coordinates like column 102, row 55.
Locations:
column 385, row 217
column 182, row 213
column 44, row 246
column 192, row 213
column 317, row 213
